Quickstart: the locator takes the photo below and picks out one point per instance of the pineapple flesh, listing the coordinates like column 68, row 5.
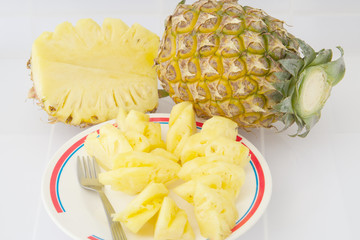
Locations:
column 82, row 74
column 181, row 127
column 143, row 207
column 172, row 223
column 106, row 145
column 238, row 62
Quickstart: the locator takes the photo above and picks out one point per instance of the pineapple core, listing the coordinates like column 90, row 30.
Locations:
column 82, row 74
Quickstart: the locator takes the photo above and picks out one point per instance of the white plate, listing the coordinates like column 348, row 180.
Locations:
column 80, row 214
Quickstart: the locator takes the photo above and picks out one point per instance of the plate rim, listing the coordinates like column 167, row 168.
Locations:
column 46, row 178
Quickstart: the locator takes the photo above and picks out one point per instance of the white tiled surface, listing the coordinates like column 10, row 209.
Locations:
column 315, row 180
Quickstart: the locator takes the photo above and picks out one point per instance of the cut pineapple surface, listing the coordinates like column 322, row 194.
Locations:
column 216, row 213
column 143, row 207
column 106, row 145
column 181, row 126
column 172, row 223
column 82, row 74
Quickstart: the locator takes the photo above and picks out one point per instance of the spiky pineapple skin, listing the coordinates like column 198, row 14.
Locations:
column 223, row 57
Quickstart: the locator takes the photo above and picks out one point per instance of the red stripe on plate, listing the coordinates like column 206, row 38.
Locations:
column 56, row 171
column 92, row 238
column 159, row 119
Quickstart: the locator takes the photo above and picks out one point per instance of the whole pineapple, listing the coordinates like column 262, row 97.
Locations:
column 241, row 63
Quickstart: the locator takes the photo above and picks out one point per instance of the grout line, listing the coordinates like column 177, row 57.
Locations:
column 266, row 226
column 38, row 208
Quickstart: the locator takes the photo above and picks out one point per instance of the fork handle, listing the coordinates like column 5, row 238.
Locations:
column 116, row 229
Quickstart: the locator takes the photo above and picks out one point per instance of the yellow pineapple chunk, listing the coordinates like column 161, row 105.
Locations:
column 215, row 212
column 164, row 153
column 187, row 189
column 232, row 176
column 220, row 126
column 142, row 134
column 128, row 180
column 234, row 152
column 195, row 147
column 143, row 207
column 181, row 126
column 172, row 223
column 107, row 145
column 138, row 141
column 153, row 133
column 82, row 74
column 164, row 170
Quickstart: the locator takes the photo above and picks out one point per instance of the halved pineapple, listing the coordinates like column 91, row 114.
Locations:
column 128, row 180
column 143, row 207
column 181, row 126
column 215, row 212
column 172, row 223
column 82, row 74
column 105, row 146
column 220, row 126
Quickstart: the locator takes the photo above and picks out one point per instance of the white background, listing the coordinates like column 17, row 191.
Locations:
column 315, row 180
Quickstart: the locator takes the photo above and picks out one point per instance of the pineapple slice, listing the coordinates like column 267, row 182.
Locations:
column 232, row 176
column 82, row 74
column 143, row 207
column 220, row 126
column 105, row 146
column 234, row 152
column 166, row 154
column 138, row 141
column 164, row 170
column 194, row 147
column 143, row 135
column 181, row 126
column 172, row 223
column 153, row 133
column 134, row 121
column 187, row 189
column 202, row 144
column 215, row 212
column 128, row 180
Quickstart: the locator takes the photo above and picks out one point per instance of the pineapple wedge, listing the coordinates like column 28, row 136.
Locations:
column 187, row 189
column 105, row 146
column 202, row 144
column 195, row 147
column 232, row 176
column 220, row 126
column 181, row 126
column 164, row 170
column 166, row 154
column 143, row 207
column 232, row 151
column 128, row 180
column 82, row 74
column 138, row 141
column 142, row 134
column 172, row 223
column 215, row 212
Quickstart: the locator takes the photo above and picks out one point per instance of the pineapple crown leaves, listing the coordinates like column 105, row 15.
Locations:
column 299, row 70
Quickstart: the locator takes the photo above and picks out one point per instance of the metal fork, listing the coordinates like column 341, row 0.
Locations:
column 88, row 171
